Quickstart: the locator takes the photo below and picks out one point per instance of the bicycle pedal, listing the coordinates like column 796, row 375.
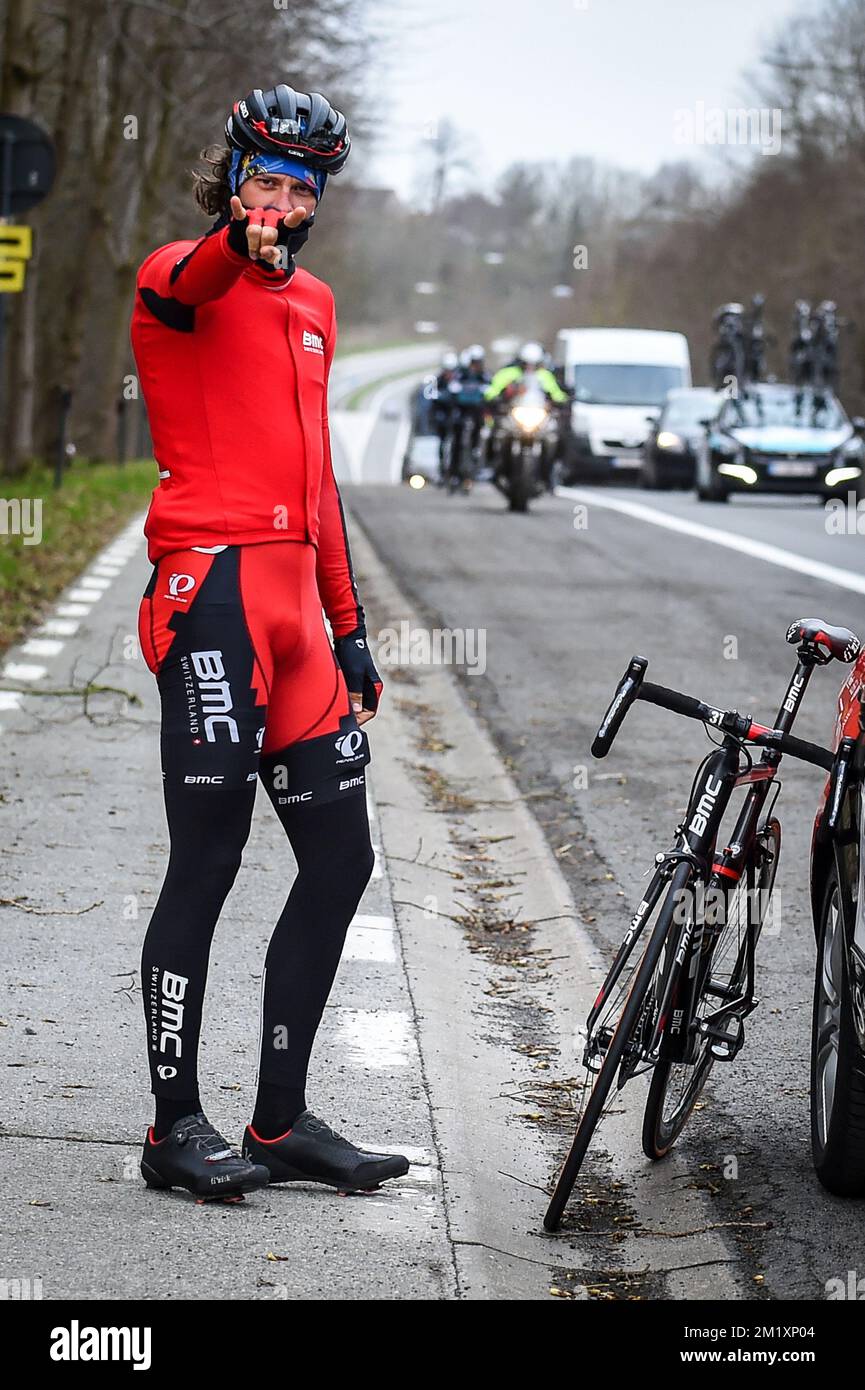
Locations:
column 725, row 1041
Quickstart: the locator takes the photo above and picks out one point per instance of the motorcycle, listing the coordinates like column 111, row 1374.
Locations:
column 526, row 446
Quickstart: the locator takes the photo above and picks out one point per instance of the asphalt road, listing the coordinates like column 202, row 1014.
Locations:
column 563, row 607
column 467, row 968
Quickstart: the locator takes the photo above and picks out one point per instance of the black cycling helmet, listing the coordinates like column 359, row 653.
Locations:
column 283, row 121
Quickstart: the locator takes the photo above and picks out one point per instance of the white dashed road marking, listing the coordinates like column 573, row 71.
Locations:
column 365, row 943
column 378, row 1039
column 22, row 671
column 42, row 646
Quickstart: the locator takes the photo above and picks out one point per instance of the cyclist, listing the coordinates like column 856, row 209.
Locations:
column 246, row 534
column 466, row 392
column 443, row 403
column 509, row 380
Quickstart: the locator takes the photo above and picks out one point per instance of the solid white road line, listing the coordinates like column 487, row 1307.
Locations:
column 353, row 429
column 758, row 550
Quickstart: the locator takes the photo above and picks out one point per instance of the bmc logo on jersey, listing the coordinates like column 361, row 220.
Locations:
column 180, row 584
column 312, row 342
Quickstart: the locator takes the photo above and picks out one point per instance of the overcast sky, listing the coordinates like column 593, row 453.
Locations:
column 553, row 78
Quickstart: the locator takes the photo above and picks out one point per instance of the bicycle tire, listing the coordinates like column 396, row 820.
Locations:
column 660, row 1134
column 609, row 1068
column 837, row 1109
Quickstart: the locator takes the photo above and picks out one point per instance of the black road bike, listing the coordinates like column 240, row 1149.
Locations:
column 682, row 982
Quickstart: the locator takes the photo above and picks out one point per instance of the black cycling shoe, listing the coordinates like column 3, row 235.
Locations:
column 194, row 1155
column 312, row 1152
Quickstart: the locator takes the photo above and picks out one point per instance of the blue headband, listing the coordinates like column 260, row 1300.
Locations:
column 248, row 162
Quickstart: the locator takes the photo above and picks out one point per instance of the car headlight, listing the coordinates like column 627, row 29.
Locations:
column 529, row 417
column 667, row 440
column 846, row 474
column 740, row 471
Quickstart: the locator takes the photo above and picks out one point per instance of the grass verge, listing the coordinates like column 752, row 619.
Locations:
column 94, row 503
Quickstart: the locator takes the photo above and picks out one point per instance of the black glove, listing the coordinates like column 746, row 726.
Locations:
column 356, row 663
column 291, row 237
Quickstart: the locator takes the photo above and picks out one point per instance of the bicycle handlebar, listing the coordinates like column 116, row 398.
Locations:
column 632, row 687
column 627, row 691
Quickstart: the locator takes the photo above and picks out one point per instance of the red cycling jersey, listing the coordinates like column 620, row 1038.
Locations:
column 234, row 360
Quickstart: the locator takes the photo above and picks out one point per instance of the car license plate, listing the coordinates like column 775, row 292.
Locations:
column 618, row 461
column 792, row 468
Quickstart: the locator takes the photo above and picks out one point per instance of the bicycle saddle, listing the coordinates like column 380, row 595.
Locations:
column 824, row 642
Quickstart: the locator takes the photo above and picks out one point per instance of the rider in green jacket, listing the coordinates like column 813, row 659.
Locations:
column 531, row 358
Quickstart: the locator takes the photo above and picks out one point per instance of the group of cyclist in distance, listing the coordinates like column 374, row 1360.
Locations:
column 738, row 353
column 465, row 396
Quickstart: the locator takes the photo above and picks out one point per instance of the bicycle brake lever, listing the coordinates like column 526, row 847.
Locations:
column 838, row 780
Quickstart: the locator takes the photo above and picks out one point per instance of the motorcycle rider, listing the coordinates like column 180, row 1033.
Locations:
column 510, row 380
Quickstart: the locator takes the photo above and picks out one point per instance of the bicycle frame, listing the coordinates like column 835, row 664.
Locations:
column 673, row 1034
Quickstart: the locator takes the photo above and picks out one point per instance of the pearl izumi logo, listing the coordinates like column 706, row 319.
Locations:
column 312, row 342
column 215, row 692
column 77, row 1343
column 349, row 745
column 180, row 584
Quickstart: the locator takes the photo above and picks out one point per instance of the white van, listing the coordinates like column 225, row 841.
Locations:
column 618, row 377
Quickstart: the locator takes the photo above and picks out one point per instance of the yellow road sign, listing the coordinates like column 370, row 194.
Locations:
column 11, row 276
column 16, row 242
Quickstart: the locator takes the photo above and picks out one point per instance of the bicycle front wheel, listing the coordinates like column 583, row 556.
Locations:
column 627, row 1033
column 676, row 1086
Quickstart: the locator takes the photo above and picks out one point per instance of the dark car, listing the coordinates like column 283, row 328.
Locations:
column 780, row 438
column 669, row 453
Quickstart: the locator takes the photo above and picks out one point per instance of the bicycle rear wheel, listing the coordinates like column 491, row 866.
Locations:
column 627, row 1032
column 676, row 1086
